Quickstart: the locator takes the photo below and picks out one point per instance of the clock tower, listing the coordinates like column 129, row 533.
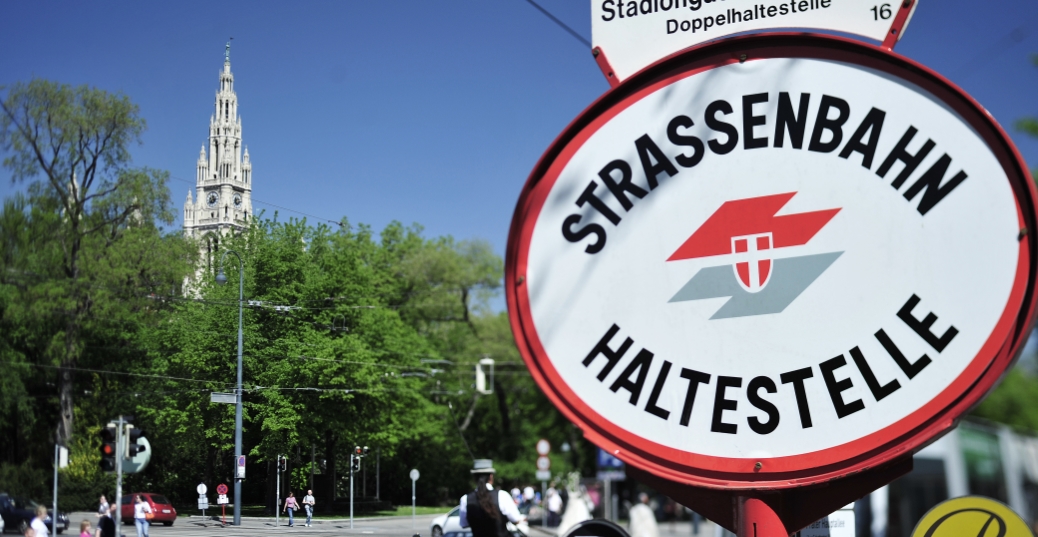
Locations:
column 222, row 200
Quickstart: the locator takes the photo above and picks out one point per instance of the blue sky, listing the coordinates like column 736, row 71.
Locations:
column 419, row 111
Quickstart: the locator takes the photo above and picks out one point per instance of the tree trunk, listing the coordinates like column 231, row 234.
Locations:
column 330, row 442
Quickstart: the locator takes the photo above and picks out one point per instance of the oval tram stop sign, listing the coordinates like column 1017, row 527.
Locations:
column 773, row 261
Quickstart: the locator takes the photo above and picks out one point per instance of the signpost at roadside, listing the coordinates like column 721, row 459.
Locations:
column 221, row 491
column 414, row 479
column 203, row 500
column 764, row 271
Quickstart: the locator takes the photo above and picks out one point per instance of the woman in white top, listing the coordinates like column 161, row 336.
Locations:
column 139, row 516
column 38, row 525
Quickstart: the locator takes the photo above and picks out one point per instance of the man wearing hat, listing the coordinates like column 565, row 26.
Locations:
column 487, row 509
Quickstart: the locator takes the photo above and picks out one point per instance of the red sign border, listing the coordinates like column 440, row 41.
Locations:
column 907, row 435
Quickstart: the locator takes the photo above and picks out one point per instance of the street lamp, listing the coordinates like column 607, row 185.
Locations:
column 221, row 279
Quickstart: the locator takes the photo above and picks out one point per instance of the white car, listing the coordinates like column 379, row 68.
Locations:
column 449, row 525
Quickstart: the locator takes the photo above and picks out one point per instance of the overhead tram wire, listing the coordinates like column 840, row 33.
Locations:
column 1014, row 37
column 561, row 24
column 276, row 206
column 109, row 372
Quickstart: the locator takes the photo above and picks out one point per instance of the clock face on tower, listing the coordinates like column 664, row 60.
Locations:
column 212, row 198
column 237, row 201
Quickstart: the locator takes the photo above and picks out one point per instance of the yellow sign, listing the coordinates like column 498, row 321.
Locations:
column 971, row 516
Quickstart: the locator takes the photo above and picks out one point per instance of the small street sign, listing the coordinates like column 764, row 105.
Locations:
column 543, row 463
column 221, row 489
column 629, row 36
column 217, row 397
column 241, row 467
column 203, row 502
column 222, row 499
column 543, row 447
column 414, row 475
column 543, row 475
column 201, row 489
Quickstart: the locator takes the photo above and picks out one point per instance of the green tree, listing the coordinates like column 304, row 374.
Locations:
column 83, row 245
column 1029, row 125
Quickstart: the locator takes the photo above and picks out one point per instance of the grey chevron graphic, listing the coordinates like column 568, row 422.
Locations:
column 790, row 277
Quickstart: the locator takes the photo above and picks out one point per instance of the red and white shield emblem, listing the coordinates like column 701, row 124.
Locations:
column 754, row 268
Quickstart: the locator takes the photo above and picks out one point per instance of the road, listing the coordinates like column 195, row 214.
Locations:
column 397, row 526
column 196, row 526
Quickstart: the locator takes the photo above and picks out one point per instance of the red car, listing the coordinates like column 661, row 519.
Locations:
column 160, row 506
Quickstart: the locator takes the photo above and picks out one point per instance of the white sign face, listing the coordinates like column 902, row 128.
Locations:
column 635, row 33
column 787, row 261
column 222, row 499
column 201, row 489
column 838, row 524
column 543, row 447
column 543, row 463
column 414, row 475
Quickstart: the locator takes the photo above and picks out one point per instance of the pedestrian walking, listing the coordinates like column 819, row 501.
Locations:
column 141, row 510
column 38, row 524
column 486, row 509
column 105, row 524
column 291, row 505
column 308, row 503
column 554, row 505
column 643, row 519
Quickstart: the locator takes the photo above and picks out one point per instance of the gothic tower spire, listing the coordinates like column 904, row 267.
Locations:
column 223, row 175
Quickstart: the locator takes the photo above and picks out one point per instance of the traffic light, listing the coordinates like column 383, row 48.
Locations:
column 282, row 464
column 108, row 449
column 132, row 447
column 355, row 464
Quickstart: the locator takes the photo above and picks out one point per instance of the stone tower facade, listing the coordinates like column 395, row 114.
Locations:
column 222, row 200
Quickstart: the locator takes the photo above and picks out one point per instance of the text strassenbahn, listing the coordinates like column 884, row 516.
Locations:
column 626, row 182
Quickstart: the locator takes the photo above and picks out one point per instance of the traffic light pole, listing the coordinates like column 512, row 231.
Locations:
column 277, row 494
column 351, row 489
column 118, row 475
column 54, row 515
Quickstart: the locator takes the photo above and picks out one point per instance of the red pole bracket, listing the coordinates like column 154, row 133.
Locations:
column 603, row 64
column 898, row 26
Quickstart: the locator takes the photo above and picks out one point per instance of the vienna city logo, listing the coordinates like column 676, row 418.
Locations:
column 756, row 279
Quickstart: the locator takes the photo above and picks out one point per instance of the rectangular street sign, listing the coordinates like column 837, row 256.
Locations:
column 543, row 475
column 217, row 397
column 631, row 34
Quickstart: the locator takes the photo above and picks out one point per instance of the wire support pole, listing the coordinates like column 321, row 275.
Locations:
column 220, row 279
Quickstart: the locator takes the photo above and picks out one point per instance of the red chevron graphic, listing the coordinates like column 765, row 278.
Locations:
column 748, row 217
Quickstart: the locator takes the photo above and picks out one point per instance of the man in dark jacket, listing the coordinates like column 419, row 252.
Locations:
column 486, row 509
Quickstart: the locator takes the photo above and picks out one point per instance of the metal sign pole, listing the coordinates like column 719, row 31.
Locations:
column 118, row 475
column 351, row 491
column 277, row 494
column 54, row 515
column 412, row 504
column 544, row 504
